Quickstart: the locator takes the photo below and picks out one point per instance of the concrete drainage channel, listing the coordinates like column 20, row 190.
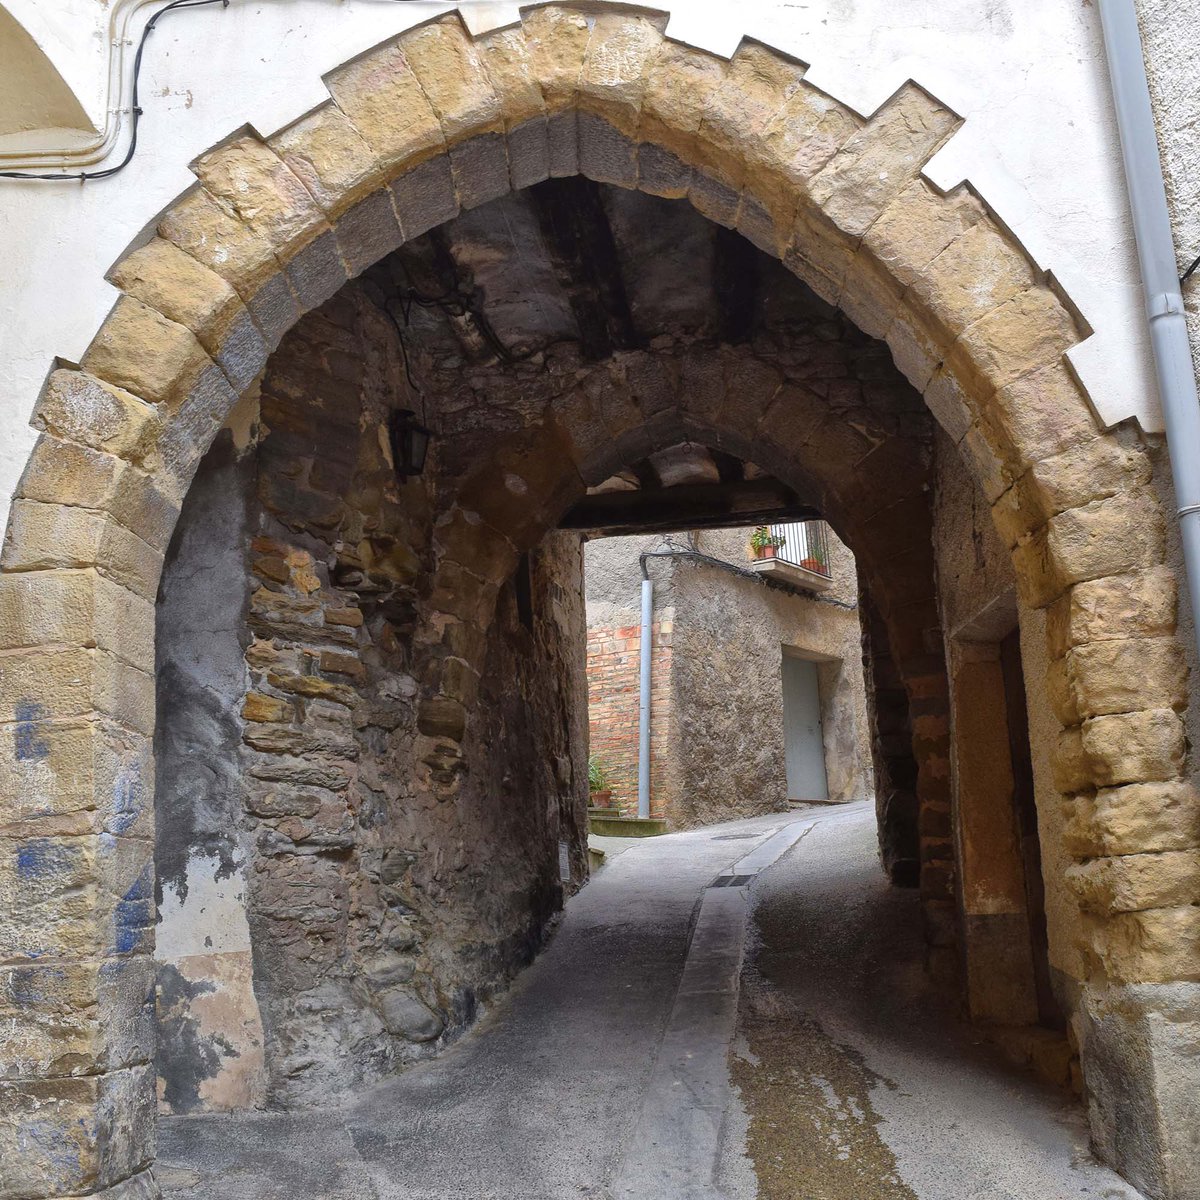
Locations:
column 676, row 1149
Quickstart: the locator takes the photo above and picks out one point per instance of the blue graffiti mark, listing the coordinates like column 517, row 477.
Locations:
column 27, row 734
column 31, row 986
column 57, row 1149
column 40, row 857
column 127, row 799
column 134, row 913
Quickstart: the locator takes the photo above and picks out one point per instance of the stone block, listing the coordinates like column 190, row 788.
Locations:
column 78, row 407
column 368, row 232
column 620, row 56
column 68, row 1137
column 757, row 84
column 877, row 162
column 43, row 536
column 200, row 227
column 871, row 297
column 77, row 897
column 562, row 144
column 1121, row 676
column 442, row 717
column 557, row 41
column 952, row 409
column 1140, row 817
column 43, row 607
column 677, row 94
column 1142, row 605
column 248, row 177
column 316, row 271
column 1134, row 747
column 1031, row 331
column 1068, row 764
column 453, row 77
column 1041, row 414
column 189, row 428
column 917, row 226
column 796, row 143
column 275, row 308
column 529, row 153
column 715, row 199
column 312, row 687
column 258, row 707
column 329, row 156
column 406, row 1015
column 74, row 776
column 1088, row 471
column 1131, row 882
column 605, row 154
column 66, row 473
column 504, row 55
column 1088, row 543
column 1155, row 945
column 1141, row 1059
column 425, row 196
column 976, row 273
column 916, row 354
column 388, row 107
column 759, row 226
column 661, row 173
column 480, row 169
column 77, row 1018
column 162, row 276
column 59, row 682
column 139, row 350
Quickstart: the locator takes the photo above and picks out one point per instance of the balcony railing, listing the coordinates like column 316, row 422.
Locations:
column 805, row 545
column 801, row 558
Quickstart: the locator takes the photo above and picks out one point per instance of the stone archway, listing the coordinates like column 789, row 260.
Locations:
column 415, row 131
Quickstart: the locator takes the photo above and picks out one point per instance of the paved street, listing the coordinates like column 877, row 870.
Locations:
column 606, row 1072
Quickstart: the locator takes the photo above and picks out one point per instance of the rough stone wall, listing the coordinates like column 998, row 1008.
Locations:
column 892, row 759
column 379, row 920
column 730, row 635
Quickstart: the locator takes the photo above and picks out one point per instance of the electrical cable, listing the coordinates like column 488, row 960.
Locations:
column 135, row 107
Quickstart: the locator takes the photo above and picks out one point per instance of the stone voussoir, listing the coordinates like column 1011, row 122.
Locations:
column 78, row 407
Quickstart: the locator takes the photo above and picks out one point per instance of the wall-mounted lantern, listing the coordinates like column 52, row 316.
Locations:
column 410, row 443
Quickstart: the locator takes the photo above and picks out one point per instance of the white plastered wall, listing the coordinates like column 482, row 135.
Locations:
column 1028, row 76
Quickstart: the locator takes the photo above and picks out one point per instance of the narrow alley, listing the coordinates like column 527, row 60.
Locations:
column 613, row 1067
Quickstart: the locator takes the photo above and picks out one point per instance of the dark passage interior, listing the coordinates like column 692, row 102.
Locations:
column 372, row 746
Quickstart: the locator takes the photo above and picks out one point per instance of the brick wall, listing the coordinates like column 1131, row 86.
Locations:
column 613, row 667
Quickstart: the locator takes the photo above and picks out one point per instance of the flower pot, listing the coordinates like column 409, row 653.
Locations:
column 813, row 564
column 602, row 799
column 766, row 552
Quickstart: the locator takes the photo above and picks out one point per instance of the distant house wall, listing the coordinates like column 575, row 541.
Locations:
column 717, row 721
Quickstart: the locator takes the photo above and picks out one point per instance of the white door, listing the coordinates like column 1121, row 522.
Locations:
column 804, row 746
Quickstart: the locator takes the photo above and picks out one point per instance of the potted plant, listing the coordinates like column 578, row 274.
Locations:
column 814, row 562
column 600, row 792
column 764, row 543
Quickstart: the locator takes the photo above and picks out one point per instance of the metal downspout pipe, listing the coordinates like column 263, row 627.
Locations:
column 644, row 664
column 1160, row 274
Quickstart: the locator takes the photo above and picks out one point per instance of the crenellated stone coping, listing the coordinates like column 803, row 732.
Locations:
column 415, row 131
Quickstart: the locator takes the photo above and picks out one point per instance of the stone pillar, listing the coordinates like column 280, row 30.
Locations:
column 76, row 875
